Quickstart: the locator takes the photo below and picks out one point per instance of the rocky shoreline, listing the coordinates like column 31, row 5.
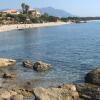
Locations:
column 90, row 90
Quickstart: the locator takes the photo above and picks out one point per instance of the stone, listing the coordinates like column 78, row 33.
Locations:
column 13, row 93
column 70, row 87
column 17, row 97
column 41, row 66
column 55, row 94
column 28, row 64
column 88, row 91
column 7, row 62
column 5, row 95
column 7, row 75
column 93, row 77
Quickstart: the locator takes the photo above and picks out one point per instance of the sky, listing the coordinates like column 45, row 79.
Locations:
column 75, row 7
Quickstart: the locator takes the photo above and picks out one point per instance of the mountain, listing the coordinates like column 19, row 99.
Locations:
column 4, row 9
column 55, row 12
column 9, row 9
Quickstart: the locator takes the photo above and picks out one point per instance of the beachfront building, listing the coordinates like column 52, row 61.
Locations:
column 35, row 13
column 7, row 16
column 11, row 11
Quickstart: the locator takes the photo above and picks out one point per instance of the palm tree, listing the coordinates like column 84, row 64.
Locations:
column 26, row 9
column 23, row 7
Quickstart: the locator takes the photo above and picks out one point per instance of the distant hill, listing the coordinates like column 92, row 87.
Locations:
column 9, row 9
column 4, row 9
column 55, row 12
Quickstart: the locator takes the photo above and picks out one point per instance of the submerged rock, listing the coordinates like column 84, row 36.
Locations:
column 28, row 64
column 41, row 66
column 56, row 93
column 8, row 75
column 7, row 62
column 93, row 77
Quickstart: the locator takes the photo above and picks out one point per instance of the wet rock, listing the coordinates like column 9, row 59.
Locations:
column 17, row 97
column 8, row 75
column 56, row 93
column 93, row 77
column 7, row 62
column 88, row 91
column 41, row 66
column 28, row 64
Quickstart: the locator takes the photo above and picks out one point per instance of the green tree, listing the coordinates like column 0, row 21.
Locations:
column 23, row 7
column 26, row 9
column 21, row 18
column 0, row 15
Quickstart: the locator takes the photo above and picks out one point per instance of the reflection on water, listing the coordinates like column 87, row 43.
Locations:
column 73, row 50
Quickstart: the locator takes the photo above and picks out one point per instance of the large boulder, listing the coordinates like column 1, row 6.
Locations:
column 28, row 64
column 88, row 91
column 7, row 62
column 93, row 77
column 65, row 93
column 41, row 66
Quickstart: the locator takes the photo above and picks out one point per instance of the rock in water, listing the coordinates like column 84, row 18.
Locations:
column 41, row 66
column 93, row 77
column 55, row 94
column 8, row 75
column 28, row 64
column 7, row 62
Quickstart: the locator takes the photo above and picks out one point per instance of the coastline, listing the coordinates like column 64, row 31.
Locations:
column 5, row 28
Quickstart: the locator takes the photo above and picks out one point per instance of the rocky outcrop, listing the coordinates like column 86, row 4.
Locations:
column 93, row 77
column 88, row 91
column 67, row 92
column 7, row 62
column 28, row 64
column 41, row 66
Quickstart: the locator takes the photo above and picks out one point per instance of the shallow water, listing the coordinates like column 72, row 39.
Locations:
column 73, row 50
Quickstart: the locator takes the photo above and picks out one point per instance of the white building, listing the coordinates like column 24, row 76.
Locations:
column 35, row 13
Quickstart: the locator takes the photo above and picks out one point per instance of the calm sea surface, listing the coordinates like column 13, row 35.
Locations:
column 73, row 50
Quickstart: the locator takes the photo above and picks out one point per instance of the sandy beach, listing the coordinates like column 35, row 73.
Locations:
column 5, row 28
